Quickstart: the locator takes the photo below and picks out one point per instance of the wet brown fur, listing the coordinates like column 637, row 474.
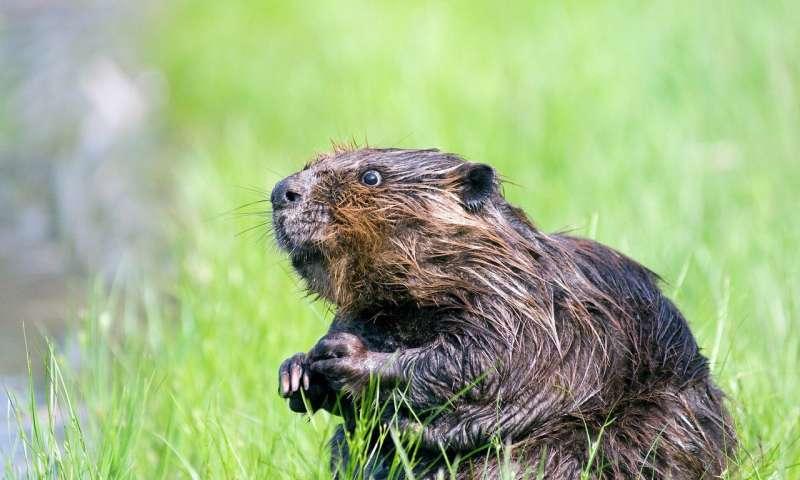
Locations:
column 557, row 340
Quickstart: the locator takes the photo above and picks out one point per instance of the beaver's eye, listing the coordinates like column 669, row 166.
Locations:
column 371, row 178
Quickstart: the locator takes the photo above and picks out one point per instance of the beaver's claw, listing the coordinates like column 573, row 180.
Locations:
column 305, row 390
column 291, row 373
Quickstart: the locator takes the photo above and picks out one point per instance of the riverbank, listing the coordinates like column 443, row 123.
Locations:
column 77, row 143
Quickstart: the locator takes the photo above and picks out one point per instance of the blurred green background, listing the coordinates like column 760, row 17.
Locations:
column 669, row 130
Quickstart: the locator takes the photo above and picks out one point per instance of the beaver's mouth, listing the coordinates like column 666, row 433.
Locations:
column 294, row 240
column 282, row 238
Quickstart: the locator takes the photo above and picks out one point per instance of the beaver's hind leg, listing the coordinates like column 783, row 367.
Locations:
column 683, row 434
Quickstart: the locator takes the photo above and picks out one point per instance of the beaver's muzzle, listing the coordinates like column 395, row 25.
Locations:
column 283, row 195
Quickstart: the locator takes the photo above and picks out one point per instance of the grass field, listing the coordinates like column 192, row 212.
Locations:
column 669, row 130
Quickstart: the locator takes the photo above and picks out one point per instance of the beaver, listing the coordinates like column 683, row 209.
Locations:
column 560, row 348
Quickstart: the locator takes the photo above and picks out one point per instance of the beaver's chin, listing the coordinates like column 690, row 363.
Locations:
column 309, row 263
column 302, row 255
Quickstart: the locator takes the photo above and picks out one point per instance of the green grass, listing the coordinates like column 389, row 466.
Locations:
column 668, row 129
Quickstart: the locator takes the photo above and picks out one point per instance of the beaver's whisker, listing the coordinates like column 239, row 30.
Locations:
column 251, row 228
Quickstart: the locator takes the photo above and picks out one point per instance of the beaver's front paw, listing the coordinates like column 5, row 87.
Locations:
column 302, row 387
column 337, row 345
column 343, row 360
column 291, row 373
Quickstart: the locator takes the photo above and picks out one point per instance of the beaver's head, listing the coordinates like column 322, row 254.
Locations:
column 388, row 225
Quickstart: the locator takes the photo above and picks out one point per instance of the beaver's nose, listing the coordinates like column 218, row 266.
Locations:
column 283, row 195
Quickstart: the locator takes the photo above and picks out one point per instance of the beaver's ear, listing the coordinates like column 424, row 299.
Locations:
column 478, row 185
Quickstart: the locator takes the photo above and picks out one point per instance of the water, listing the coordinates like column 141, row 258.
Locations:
column 79, row 185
